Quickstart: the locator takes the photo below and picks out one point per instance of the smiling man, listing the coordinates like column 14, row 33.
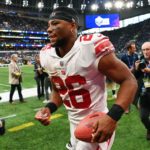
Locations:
column 78, row 67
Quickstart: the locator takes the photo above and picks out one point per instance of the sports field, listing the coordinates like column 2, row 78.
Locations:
column 25, row 133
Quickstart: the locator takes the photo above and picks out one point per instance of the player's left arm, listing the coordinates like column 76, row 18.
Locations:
column 114, row 69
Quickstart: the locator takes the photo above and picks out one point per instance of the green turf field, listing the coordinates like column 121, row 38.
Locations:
column 25, row 133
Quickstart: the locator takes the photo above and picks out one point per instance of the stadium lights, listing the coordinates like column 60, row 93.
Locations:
column 70, row 5
column 25, row 3
column 129, row 4
column 108, row 5
column 56, row 5
column 8, row 2
column 119, row 4
column 40, row 5
column 94, row 7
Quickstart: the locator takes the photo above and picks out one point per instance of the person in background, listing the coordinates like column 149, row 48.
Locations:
column 39, row 77
column 143, row 70
column 78, row 67
column 129, row 58
column 15, row 78
column 112, row 86
column 2, row 127
column 47, row 86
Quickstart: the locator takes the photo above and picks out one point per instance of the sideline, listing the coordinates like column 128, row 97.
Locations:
column 10, row 116
column 30, row 92
column 5, row 85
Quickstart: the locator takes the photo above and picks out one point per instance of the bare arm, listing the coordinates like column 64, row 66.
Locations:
column 45, row 113
column 113, row 68
column 55, row 97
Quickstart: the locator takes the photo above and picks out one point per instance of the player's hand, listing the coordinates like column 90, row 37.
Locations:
column 43, row 116
column 103, row 129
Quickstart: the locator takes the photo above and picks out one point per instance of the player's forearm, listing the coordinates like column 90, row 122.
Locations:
column 125, row 96
column 55, row 98
column 126, row 92
column 55, row 102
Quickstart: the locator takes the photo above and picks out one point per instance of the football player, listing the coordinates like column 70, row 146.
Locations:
column 78, row 67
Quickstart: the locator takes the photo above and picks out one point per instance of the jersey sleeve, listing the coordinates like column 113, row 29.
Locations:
column 101, row 44
column 43, row 55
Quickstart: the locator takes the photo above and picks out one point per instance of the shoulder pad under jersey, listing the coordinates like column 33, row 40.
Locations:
column 101, row 43
column 48, row 46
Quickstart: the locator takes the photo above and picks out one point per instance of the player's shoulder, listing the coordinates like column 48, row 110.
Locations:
column 92, row 38
column 46, row 47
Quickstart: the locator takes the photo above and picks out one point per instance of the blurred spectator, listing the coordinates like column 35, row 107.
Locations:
column 47, row 86
column 39, row 77
column 143, row 67
column 15, row 78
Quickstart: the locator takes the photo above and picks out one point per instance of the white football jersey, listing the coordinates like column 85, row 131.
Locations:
column 76, row 76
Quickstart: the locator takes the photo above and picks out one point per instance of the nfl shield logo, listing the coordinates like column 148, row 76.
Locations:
column 61, row 63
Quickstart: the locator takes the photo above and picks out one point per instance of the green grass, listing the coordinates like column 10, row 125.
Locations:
column 130, row 134
column 28, row 78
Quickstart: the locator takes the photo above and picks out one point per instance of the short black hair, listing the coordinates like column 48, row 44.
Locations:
column 128, row 44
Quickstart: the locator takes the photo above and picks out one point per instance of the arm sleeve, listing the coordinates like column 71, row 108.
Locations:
column 103, row 46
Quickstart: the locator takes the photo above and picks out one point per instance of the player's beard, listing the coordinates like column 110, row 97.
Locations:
column 59, row 43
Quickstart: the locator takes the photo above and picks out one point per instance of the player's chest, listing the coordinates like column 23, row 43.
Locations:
column 71, row 65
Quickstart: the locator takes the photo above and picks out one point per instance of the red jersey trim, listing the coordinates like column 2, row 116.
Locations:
column 48, row 46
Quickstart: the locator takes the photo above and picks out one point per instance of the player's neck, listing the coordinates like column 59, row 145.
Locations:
column 66, row 48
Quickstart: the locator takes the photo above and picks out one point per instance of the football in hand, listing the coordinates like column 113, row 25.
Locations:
column 84, row 129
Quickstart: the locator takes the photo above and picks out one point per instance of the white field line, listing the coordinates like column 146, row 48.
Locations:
column 10, row 116
column 5, row 85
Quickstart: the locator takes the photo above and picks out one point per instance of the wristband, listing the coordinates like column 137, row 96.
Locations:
column 115, row 112
column 52, row 107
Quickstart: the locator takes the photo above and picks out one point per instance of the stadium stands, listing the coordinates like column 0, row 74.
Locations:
column 27, row 36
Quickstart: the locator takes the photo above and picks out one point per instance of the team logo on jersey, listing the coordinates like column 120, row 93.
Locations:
column 61, row 63
column 63, row 71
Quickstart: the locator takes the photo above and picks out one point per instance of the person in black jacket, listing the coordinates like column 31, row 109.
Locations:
column 39, row 77
column 47, row 86
column 143, row 72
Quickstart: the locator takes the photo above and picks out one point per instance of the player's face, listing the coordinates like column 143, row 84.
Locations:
column 59, row 32
column 146, row 50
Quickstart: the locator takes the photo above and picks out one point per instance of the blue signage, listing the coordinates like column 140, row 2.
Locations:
column 102, row 21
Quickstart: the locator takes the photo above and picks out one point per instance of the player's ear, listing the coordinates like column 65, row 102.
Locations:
column 74, row 27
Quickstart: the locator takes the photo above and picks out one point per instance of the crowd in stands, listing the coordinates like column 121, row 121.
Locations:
column 25, row 57
column 138, row 32
column 14, row 22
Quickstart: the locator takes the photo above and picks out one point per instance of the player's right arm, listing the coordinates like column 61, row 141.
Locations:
column 44, row 114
